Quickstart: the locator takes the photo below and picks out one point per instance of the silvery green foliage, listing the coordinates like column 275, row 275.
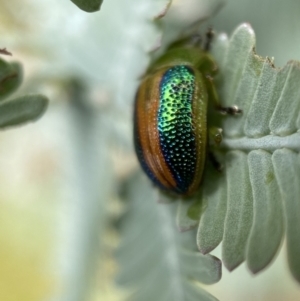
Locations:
column 155, row 260
column 255, row 200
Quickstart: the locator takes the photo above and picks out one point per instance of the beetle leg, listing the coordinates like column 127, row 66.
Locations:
column 234, row 110
column 213, row 96
column 215, row 163
column 215, row 136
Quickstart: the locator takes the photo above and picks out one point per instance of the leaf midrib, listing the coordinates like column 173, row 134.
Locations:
column 269, row 143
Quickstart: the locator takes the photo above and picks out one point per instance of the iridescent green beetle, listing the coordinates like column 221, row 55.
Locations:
column 170, row 116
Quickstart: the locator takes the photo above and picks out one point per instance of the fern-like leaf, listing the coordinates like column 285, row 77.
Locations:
column 244, row 205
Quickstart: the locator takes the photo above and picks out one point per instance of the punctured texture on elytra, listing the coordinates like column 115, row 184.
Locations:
column 170, row 127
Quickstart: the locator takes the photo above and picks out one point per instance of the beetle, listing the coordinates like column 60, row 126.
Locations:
column 170, row 116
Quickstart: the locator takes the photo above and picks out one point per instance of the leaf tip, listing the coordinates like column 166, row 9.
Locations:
column 204, row 250
column 254, row 269
column 230, row 266
column 246, row 27
column 43, row 102
column 296, row 275
column 218, row 267
column 246, row 32
column 222, row 37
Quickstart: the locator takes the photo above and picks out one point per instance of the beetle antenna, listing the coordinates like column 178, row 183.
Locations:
column 209, row 37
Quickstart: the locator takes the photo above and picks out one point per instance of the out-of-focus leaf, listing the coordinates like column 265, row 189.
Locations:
column 156, row 260
column 88, row 5
column 87, row 188
column 22, row 110
column 129, row 33
column 10, row 78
